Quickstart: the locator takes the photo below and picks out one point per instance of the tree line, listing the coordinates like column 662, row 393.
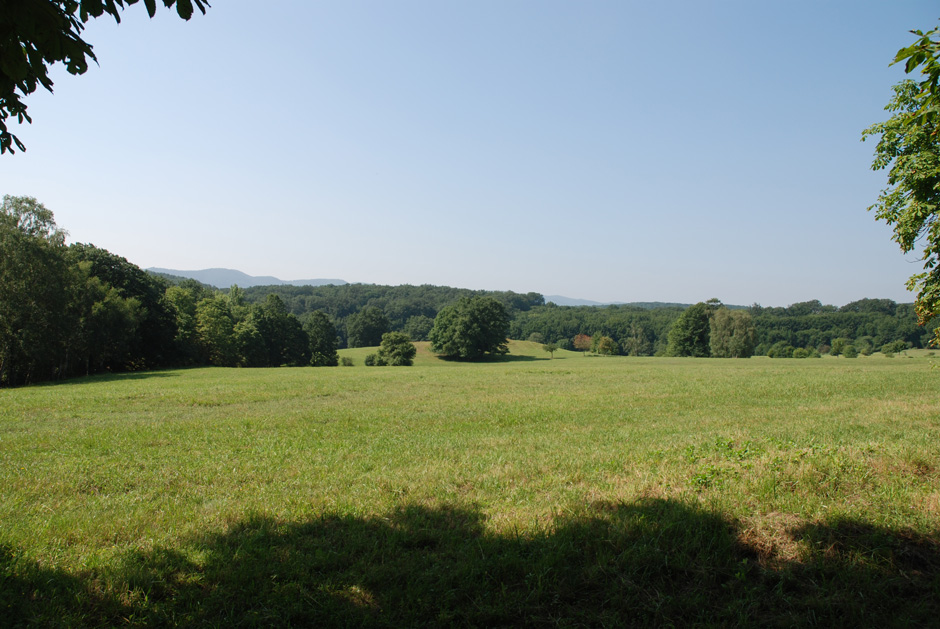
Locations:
column 78, row 309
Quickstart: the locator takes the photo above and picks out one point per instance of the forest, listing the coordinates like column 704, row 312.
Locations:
column 72, row 310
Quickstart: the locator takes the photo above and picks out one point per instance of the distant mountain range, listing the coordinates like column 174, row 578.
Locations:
column 224, row 278
column 560, row 300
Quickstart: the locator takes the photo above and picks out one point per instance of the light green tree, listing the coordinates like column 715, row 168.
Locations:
column 732, row 334
column 909, row 148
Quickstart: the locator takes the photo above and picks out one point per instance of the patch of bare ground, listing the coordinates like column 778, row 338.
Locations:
column 770, row 538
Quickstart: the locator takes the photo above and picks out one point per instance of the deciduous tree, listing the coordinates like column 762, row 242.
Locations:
column 397, row 350
column 322, row 334
column 909, row 147
column 470, row 329
column 689, row 335
column 365, row 328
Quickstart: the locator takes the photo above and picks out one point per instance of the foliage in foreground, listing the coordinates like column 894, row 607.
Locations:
column 36, row 35
column 909, row 147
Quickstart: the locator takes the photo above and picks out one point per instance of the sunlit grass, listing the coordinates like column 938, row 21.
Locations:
column 96, row 472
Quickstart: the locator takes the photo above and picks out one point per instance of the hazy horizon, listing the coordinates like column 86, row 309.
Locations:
column 610, row 151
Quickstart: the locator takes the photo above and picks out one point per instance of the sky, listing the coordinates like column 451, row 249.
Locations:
column 604, row 150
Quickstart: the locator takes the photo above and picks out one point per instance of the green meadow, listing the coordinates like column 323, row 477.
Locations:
column 574, row 491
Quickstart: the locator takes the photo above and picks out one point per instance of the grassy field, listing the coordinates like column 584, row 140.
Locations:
column 579, row 491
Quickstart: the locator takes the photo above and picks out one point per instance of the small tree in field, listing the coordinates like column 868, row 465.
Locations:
column 582, row 343
column 551, row 348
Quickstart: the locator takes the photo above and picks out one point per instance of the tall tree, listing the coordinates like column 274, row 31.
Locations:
column 36, row 34
column 909, row 147
column 284, row 337
column 732, row 334
column 35, row 288
column 153, row 344
column 689, row 335
column 322, row 334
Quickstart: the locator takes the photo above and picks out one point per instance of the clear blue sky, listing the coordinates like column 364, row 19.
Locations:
column 606, row 150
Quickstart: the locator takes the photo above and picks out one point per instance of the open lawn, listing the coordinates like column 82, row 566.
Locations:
column 579, row 491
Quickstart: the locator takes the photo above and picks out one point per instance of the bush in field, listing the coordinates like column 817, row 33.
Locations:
column 606, row 346
column 346, row 361
column 396, row 350
column 781, row 349
column 838, row 346
column 801, row 352
column 893, row 347
column 849, row 351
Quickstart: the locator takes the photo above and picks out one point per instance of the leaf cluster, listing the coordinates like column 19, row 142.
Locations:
column 909, row 148
column 36, row 34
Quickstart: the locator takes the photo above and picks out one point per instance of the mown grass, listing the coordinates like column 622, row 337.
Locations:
column 579, row 491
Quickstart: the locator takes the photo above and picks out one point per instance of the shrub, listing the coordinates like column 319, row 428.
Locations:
column 800, row 352
column 397, row 350
column 849, row 351
column 346, row 361
column 780, row 349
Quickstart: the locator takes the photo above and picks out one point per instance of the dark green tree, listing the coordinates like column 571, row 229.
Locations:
column 397, row 350
column 418, row 327
column 36, row 34
column 689, row 335
column 153, row 344
column 909, row 147
column 105, row 336
column 471, row 329
column 365, row 329
column 285, row 341
column 322, row 334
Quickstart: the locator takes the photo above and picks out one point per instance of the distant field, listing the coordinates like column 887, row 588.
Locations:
column 579, row 491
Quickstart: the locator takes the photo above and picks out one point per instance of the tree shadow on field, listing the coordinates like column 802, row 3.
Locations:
column 653, row 562
column 107, row 377
column 493, row 358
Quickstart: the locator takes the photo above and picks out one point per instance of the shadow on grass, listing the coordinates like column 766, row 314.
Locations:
column 108, row 377
column 493, row 358
column 655, row 562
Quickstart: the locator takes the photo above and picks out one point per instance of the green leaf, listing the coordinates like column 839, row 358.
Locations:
column 184, row 8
